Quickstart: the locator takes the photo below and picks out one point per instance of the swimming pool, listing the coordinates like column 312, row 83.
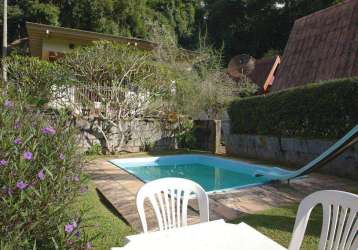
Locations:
column 211, row 172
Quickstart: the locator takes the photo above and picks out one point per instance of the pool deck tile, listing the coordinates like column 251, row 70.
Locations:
column 119, row 188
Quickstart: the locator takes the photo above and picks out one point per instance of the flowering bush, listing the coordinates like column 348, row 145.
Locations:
column 40, row 177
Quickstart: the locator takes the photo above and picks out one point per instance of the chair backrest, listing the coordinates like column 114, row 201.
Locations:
column 169, row 198
column 340, row 220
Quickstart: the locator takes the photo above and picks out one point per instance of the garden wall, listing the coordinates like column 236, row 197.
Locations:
column 296, row 125
column 207, row 135
column 147, row 134
column 294, row 151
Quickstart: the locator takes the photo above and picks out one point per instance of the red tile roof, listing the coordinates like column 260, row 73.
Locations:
column 321, row 46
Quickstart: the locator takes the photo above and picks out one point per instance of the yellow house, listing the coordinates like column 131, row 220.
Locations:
column 51, row 42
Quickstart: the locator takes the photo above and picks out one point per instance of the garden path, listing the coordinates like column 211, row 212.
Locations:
column 119, row 188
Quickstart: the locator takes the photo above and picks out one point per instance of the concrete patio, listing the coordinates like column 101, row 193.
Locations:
column 119, row 188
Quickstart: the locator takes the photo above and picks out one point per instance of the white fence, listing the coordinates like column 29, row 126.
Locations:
column 85, row 94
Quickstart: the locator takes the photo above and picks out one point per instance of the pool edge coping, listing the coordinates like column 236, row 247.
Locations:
column 219, row 191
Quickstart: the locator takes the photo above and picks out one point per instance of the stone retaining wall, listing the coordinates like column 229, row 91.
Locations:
column 207, row 135
column 293, row 151
column 147, row 134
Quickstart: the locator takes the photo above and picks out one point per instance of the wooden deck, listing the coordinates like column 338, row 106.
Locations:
column 119, row 188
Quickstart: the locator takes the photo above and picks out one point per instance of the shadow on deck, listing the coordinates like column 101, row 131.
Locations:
column 117, row 190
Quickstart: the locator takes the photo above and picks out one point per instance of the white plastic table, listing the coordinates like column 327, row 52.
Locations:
column 212, row 235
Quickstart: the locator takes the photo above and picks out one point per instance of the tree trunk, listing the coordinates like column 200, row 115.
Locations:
column 4, row 43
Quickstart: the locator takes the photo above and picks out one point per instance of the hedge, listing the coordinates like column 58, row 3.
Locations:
column 321, row 110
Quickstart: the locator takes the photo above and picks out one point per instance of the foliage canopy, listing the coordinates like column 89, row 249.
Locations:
column 242, row 26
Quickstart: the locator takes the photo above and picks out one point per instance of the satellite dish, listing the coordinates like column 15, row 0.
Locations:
column 241, row 65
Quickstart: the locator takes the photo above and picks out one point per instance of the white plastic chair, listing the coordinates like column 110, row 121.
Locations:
column 170, row 211
column 340, row 220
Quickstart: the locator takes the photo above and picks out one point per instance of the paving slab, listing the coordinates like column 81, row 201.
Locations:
column 119, row 188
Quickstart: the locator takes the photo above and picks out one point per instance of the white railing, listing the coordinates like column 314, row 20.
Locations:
column 85, row 94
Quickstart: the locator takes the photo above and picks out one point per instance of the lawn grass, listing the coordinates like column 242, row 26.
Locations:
column 277, row 224
column 103, row 221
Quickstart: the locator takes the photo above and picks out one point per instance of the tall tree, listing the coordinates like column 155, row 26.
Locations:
column 256, row 26
column 242, row 26
column 4, row 43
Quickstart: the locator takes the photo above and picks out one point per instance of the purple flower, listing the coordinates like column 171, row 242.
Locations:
column 3, row 163
column 48, row 131
column 41, row 175
column 76, row 178
column 83, row 189
column 17, row 125
column 18, row 141
column 27, row 155
column 62, row 157
column 21, row 185
column 78, row 234
column 69, row 228
column 8, row 104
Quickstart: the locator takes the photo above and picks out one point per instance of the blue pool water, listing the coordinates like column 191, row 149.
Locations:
column 212, row 173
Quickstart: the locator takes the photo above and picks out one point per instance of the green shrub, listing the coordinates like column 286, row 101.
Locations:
column 324, row 110
column 185, row 133
column 35, row 80
column 40, row 178
column 95, row 149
